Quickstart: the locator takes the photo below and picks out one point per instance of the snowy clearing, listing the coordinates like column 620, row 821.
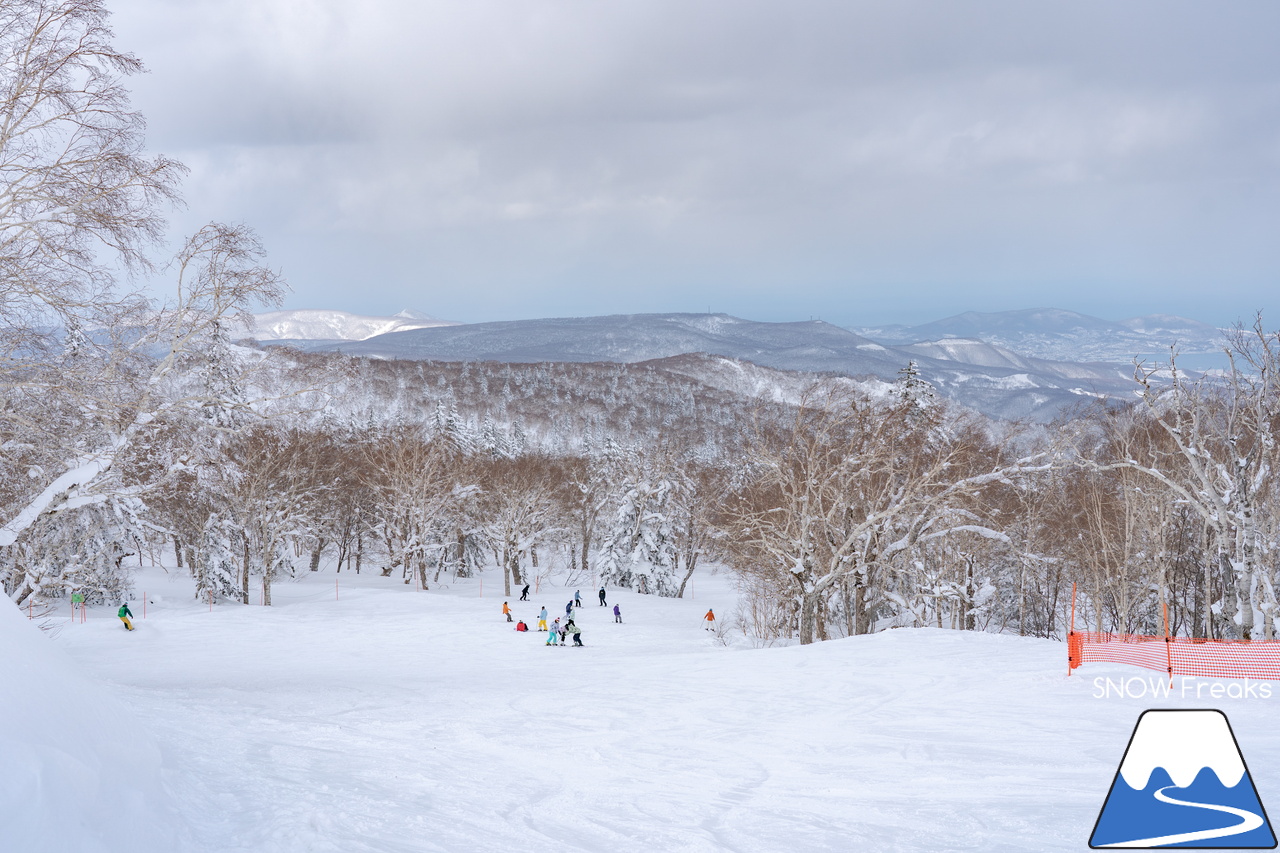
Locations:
column 394, row 720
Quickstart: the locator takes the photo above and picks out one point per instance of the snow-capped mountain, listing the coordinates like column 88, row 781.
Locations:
column 1183, row 743
column 1051, row 333
column 322, row 325
column 997, row 382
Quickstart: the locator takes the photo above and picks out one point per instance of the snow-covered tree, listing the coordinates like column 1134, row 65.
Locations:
column 639, row 550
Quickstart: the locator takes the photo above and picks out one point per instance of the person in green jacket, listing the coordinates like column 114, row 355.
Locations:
column 125, row 615
column 573, row 629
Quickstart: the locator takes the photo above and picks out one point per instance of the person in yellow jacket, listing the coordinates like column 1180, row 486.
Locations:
column 506, row 611
column 125, row 615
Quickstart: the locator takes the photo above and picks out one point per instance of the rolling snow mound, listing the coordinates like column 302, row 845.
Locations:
column 79, row 772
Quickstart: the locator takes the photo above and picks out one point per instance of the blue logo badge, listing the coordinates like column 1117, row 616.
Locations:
column 1183, row 783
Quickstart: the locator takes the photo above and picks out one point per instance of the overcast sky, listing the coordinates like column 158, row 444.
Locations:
column 863, row 162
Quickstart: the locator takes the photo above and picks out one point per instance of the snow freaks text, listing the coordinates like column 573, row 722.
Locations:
column 1183, row 687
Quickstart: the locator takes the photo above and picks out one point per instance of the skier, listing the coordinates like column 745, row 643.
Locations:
column 542, row 620
column 576, row 631
column 520, row 626
column 506, row 611
column 125, row 615
column 603, row 603
column 711, row 620
column 577, row 598
column 553, row 636
column 617, row 614
column 524, row 593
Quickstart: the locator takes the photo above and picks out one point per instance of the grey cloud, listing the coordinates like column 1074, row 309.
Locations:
column 509, row 156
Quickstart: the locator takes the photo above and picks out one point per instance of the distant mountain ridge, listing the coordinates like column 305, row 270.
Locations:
column 328, row 325
column 999, row 383
column 1052, row 333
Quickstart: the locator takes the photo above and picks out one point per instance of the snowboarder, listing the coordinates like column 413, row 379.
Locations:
column 542, row 620
column 576, row 631
column 617, row 614
column 506, row 611
column 553, row 636
column 603, row 603
column 568, row 609
column 711, row 619
column 577, row 598
column 520, row 626
column 524, row 593
column 125, row 615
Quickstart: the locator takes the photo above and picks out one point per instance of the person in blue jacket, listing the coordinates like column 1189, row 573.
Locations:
column 617, row 614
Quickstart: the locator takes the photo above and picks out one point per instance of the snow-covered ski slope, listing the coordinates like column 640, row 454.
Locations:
column 393, row 720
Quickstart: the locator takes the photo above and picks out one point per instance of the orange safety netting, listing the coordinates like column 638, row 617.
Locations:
column 1174, row 655
column 1179, row 655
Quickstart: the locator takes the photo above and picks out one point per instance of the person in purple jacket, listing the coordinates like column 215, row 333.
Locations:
column 617, row 614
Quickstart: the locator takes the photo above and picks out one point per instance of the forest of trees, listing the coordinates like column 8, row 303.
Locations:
column 131, row 427
column 840, row 511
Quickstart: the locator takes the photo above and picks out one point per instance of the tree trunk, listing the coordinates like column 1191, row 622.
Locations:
column 690, row 565
column 808, row 616
column 315, row 554
column 244, row 581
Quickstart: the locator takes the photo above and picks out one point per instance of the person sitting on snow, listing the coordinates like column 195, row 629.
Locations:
column 520, row 626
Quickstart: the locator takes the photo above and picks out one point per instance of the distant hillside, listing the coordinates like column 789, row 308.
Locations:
column 998, row 384
column 1051, row 333
column 322, row 325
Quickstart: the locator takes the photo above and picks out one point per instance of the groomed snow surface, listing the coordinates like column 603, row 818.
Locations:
column 395, row 720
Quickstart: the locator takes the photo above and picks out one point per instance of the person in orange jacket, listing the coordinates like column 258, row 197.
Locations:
column 711, row 619
column 506, row 611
